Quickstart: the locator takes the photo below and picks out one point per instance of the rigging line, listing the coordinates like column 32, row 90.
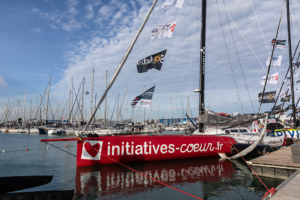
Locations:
column 225, row 72
column 169, row 41
column 287, row 74
column 193, row 50
column 243, row 37
column 260, row 29
column 239, row 60
column 295, row 15
column 62, row 149
column 229, row 58
column 168, row 44
column 270, row 63
column 76, row 95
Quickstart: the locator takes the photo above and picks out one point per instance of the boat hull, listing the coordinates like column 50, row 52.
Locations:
column 143, row 148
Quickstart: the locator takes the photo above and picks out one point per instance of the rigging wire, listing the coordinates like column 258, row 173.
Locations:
column 229, row 58
column 239, row 59
column 278, row 28
column 243, row 37
column 261, row 29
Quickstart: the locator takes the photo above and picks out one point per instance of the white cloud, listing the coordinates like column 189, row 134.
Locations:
column 3, row 83
column 180, row 73
column 36, row 30
column 106, row 11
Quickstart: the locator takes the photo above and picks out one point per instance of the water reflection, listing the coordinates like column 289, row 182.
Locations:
column 117, row 180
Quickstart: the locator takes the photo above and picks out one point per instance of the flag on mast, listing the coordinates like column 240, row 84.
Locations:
column 275, row 61
column 272, row 79
column 279, row 43
column 176, row 3
column 143, row 100
column 165, row 30
column 154, row 61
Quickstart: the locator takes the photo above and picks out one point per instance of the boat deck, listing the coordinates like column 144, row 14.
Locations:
column 278, row 164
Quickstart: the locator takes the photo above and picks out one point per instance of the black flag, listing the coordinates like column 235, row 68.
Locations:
column 277, row 107
column 154, row 61
column 279, row 43
column 269, row 97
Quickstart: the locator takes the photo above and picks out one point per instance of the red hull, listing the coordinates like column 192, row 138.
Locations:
column 141, row 148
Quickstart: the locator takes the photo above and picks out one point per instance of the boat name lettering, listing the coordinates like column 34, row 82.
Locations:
column 131, row 149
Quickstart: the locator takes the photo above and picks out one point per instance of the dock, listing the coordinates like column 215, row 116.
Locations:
column 278, row 164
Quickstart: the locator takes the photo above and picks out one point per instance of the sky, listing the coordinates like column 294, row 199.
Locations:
column 67, row 39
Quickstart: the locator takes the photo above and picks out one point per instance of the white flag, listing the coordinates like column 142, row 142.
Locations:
column 165, row 30
column 275, row 61
column 272, row 79
column 283, row 94
column 176, row 3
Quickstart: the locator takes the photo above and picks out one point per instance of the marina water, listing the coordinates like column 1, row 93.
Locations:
column 206, row 178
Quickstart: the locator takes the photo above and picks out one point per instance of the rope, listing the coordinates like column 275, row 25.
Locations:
column 229, row 59
column 239, row 60
column 244, row 38
column 61, row 149
column 33, row 149
column 144, row 174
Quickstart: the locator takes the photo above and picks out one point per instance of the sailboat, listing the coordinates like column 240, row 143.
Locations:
column 140, row 148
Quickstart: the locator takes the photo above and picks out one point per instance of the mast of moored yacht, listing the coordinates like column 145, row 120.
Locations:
column 202, row 64
column 105, row 99
column 92, row 95
column 290, row 62
column 121, row 64
column 82, row 101
column 47, row 101
column 23, row 120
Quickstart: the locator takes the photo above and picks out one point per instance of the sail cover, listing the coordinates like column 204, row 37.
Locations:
column 154, row 61
column 279, row 43
column 143, row 100
column 269, row 97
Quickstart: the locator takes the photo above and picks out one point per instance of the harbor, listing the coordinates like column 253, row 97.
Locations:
column 207, row 107
column 209, row 178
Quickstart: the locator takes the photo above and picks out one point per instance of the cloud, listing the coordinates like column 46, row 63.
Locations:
column 36, row 30
column 225, row 85
column 3, row 83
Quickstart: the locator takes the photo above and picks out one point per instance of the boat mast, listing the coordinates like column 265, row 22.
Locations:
column 105, row 99
column 121, row 64
column 144, row 107
column 47, row 101
column 23, row 121
column 92, row 95
column 82, row 103
column 202, row 64
column 126, row 102
column 290, row 61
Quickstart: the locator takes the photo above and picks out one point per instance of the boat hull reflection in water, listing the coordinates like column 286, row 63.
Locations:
column 111, row 180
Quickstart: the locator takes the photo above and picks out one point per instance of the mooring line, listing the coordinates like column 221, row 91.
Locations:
column 61, row 149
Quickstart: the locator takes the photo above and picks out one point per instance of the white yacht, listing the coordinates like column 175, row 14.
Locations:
column 243, row 135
